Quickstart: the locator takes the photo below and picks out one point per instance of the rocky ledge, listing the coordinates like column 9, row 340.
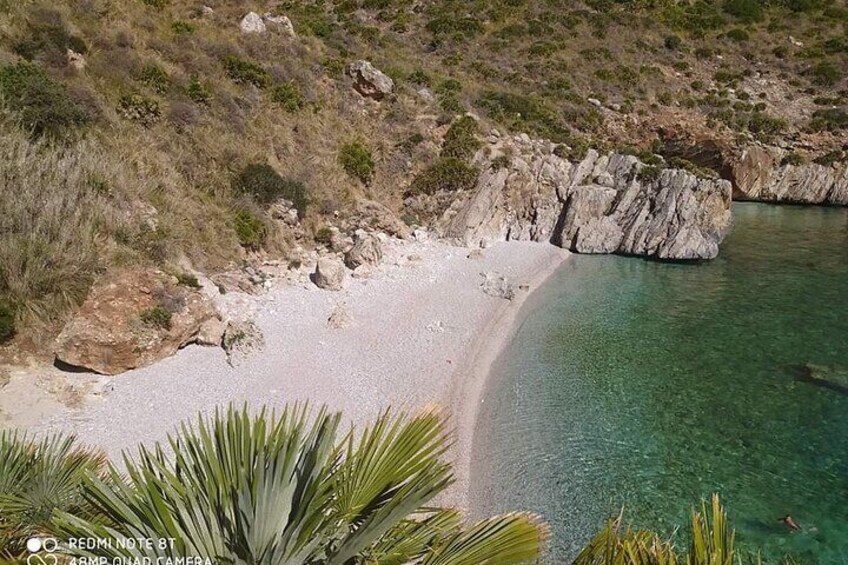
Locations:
column 603, row 204
column 764, row 174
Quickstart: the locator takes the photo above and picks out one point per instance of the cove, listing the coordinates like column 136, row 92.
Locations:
column 650, row 385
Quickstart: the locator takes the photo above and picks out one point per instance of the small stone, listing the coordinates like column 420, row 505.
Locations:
column 281, row 23
column 340, row 318
column 594, row 102
column 211, row 332
column 76, row 60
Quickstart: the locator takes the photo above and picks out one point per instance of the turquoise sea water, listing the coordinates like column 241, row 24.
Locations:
column 649, row 385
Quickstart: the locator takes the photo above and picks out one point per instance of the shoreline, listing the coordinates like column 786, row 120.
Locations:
column 469, row 392
column 422, row 332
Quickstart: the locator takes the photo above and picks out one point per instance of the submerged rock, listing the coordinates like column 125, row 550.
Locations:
column 601, row 204
column 132, row 319
column 761, row 175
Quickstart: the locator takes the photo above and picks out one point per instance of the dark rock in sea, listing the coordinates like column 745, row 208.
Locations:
column 831, row 378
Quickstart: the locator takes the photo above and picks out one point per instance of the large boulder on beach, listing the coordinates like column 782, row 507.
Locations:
column 132, row 319
column 367, row 250
column 369, row 81
column 330, row 273
column 614, row 203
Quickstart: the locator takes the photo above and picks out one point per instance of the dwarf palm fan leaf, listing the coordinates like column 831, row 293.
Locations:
column 38, row 479
column 280, row 490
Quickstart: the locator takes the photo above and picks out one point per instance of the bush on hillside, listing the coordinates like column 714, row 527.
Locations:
column 7, row 322
column 461, row 139
column 245, row 72
column 199, row 92
column 446, row 175
column 357, row 161
column 825, row 73
column 250, row 229
column 138, row 108
column 266, row 186
column 157, row 317
column 830, row 119
column 288, row 96
column 748, row 11
column 43, row 106
column 50, row 38
column 155, row 78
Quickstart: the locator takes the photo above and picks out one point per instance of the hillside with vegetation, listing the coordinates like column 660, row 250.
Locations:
column 157, row 132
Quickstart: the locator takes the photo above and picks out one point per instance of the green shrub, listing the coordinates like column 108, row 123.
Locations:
column 830, row 158
column 523, row 113
column 288, row 96
column 266, row 186
column 830, row 119
column 43, row 106
column 43, row 39
column 824, row 73
column 250, row 229
column 156, row 3
column 189, row 280
column 448, row 175
column 420, row 78
column 138, row 108
column 324, row 235
column 748, row 11
column 738, row 35
column 357, row 161
column 461, row 139
column 199, row 92
column 245, row 72
column 673, row 42
column 155, row 78
column 792, row 159
column 157, row 317
column 182, row 28
column 7, row 322
column 649, row 173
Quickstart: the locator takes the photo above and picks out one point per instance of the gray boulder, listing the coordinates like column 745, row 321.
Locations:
column 367, row 250
column 252, row 23
column 369, row 81
column 330, row 274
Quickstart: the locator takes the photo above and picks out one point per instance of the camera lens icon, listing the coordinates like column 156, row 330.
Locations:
column 34, row 545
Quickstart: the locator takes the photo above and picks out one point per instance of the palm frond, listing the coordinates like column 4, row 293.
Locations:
column 503, row 540
column 712, row 541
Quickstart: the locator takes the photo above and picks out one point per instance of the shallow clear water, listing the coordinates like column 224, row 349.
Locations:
column 649, row 385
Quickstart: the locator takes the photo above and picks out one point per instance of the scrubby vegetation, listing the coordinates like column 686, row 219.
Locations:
column 155, row 107
column 316, row 496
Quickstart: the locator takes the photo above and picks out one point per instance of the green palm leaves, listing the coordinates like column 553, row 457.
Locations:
column 711, row 543
column 286, row 490
column 37, row 479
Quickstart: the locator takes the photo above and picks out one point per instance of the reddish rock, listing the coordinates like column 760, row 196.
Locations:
column 132, row 319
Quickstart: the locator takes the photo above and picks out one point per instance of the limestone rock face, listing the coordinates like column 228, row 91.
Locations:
column 601, row 204
column 133, row 319
column 367, row 250
column 760, row 175
column 369, row 81
column 329, row 274
column 252, row 23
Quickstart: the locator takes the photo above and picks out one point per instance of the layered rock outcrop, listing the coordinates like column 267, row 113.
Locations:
column 761, row 174
column 602, row 204
column 132, row 319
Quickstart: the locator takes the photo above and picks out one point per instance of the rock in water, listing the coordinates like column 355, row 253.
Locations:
column 761, row 175
column 601, row 204
column 252, row 23
column 329, row 274
column 368, row 81
column 367, row 250
column 132, row 319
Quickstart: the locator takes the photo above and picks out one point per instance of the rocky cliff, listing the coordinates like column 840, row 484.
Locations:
column 762, row 174
column 603, row 204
